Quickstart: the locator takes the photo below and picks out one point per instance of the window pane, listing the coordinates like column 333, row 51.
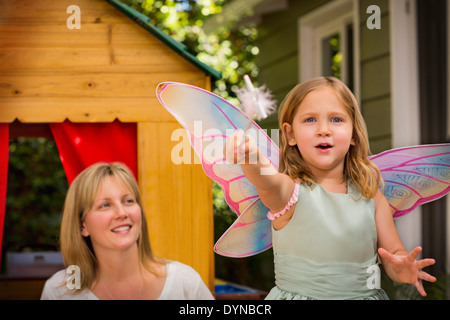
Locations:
column 350, row 58
column 331, row 56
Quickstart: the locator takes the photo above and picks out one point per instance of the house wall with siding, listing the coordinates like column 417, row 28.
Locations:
column 375, row 76
column 279, row 58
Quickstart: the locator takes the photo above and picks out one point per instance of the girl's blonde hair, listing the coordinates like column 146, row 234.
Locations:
column 76, row 249
column 357, row 168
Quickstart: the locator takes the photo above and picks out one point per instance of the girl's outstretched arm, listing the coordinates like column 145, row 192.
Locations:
column 274, row 188
column 399, row 265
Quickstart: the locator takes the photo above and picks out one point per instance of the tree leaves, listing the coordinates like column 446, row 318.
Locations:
column 231, row 50
column 36, row 189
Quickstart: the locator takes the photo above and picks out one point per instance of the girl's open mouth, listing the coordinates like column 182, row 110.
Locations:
column 324, row 146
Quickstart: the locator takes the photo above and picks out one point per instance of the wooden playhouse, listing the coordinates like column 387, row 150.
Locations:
column 106, row 72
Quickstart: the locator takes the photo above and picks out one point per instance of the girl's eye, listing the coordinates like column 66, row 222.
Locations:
column 309, row 120
column 336, row 120
column 129, row 201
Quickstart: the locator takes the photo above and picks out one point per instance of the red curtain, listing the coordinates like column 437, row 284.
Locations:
column 83, row 144
column 4, row 155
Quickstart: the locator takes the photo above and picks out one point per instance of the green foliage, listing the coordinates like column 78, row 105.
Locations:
column 336, row 58
column 230, row 51
column 35, row 195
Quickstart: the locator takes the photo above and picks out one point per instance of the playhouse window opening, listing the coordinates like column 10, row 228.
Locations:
column 36, row 190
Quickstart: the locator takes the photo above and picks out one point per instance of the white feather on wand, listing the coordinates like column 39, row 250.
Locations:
column 255, row 102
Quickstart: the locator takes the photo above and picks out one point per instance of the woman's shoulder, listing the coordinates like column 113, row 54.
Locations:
column 58, row 287
column 183, row 282
column 57, row 279
column 181, row 270
column 55, row 286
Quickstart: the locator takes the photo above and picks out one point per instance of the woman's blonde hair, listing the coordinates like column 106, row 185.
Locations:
column 76, row 249
column 357, row 168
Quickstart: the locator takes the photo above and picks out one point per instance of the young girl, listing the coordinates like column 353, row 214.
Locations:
column 329, row 217
column 104, row 233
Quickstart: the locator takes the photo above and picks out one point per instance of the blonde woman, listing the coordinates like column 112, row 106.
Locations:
column 104, row 235
column 329, row 218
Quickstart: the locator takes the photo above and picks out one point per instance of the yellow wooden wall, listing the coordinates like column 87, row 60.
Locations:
column 107, row 70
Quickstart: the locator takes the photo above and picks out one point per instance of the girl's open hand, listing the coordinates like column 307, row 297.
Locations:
column 407, row 269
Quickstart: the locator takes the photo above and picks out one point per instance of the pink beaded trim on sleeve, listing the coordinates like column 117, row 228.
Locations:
column 292, row 201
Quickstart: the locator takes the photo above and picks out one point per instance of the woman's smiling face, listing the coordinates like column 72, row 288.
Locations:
column 114, row 220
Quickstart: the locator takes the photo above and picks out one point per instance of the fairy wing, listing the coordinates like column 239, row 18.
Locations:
column 208, row 120
column 414, row 175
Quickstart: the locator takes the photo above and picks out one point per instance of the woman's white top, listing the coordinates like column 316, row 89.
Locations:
column 182, row 283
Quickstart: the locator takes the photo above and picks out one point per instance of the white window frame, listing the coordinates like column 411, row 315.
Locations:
column 327, row 20
column 405, row 109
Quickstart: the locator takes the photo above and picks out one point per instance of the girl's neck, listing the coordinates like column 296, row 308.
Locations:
column 332, row 181
column 334, row 186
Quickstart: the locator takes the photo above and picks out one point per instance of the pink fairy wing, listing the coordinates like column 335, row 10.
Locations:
column 208, row 120
column 237, row 243
column 414, row 175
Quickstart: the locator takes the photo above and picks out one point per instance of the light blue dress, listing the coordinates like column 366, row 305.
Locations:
column 328, row 250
